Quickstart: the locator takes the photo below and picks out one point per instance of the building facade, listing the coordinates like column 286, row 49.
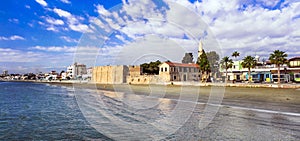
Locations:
column 76, row 70
column 294, row 62
column 170, row 71
column 5, row 73
column 110, row 74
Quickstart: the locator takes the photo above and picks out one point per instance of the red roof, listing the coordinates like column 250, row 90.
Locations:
column 171, row 64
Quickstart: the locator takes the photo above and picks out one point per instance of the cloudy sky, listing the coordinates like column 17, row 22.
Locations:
column 43, row 35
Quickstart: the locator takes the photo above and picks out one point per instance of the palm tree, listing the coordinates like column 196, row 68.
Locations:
column 235, row 54
column 226, row 63
column 249, row 62
column 278, row 58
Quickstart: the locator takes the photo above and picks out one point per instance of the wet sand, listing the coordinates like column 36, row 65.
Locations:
column 278, row 99
column 243, row 114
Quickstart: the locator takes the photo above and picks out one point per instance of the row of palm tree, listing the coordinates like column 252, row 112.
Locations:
column 277, row 57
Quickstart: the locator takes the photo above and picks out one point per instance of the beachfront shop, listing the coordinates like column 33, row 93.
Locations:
column 263, row 76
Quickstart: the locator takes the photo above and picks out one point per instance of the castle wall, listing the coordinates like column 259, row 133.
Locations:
column 144, row 79
column 110, row 74
column 135, row 71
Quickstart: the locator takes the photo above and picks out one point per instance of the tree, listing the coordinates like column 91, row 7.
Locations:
column 249, row 62
column 226, row 63
column 278, row 58
column 203, row 63
column 235, row 54
column 188, row 58
column 151, row 68
column 213, row 59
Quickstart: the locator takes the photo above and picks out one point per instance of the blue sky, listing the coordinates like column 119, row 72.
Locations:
column 43, row 35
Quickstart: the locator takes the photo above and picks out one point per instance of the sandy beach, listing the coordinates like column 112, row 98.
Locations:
column 270, row 98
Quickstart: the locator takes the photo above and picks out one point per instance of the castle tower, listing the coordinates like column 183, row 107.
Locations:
column 200, row 48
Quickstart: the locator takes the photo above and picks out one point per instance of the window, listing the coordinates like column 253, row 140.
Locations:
column 166, row 69
column 174, row 77
column 190, row 70
column 180, row 69
column 162, row 69
column 184, row 69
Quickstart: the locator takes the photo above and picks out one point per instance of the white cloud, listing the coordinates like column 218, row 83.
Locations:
column 66, row 1
column 80, row 27
column 42, row 2
column 252, row 30
column 54, row 48
column 230, row 26
column 13, row 55
column 14, row 37
column 54, row 21
column 101, row 10
column 68, row 39
column 73, row 22
column 52, row 28
column 13, row 20
column 22, row 61
column 62, row 13
column 27, row 6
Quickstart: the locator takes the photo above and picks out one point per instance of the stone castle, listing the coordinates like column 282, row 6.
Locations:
column 168, row 72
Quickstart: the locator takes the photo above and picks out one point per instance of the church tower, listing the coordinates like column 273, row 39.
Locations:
column 200, row 48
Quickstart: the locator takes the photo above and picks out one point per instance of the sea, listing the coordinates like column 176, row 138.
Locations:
column 33, row 111
column 39, row 111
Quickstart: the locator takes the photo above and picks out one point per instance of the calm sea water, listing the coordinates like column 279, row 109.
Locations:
column 31, row 111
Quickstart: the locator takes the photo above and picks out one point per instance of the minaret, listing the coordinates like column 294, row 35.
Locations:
column 200, row 48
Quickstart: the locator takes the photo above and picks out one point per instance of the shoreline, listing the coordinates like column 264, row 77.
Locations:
column 192, row 84
column 285, row 99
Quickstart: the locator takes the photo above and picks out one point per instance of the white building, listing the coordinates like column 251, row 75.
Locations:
column 76, row 70
column 88, row 75
column 170, row 71
column 63, row 76
column 5, row 73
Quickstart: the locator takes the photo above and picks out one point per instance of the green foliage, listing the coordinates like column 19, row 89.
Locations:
column 188, row 58
column 213, row 59
column 235, row 54
column 151, row 68
column 249, row 62
column 203, row 63
column 278, row 57
column 226, row 63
